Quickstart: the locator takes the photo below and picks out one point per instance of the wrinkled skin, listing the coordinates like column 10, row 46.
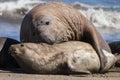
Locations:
column 6, row 60
column 56, row 22
column 68, row 57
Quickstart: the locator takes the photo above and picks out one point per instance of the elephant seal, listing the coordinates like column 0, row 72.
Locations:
column 67, row 57
column 6, row 60
column 115, row 48
column 56, row 22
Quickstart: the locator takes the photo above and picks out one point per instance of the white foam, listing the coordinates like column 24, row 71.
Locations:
column 101, row 16
column 15, row 10
column 12, row 5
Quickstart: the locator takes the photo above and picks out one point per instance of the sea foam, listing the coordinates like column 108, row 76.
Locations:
column 12, row 5
column 100, row 16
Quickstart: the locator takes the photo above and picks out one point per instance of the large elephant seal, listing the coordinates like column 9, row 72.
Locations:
column 56, row 22
column 6, row 60
column 68, row 57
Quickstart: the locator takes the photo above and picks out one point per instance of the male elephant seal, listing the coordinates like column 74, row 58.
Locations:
column 67, row 57
column 6, row 60
column 56, row 22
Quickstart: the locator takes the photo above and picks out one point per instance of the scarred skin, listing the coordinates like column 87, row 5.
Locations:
column 56, row 22
column 68, row 57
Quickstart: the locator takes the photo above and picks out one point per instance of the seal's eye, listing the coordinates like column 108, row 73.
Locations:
column 41, row 21
column 47, row 23
column 22, row 45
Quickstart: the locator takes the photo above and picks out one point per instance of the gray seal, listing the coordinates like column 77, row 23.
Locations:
column 68, row 57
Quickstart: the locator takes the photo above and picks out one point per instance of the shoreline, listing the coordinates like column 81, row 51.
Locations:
column 113, row 74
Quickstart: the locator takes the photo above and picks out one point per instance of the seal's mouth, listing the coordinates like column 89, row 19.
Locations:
column 49, row 39
column 13, row 50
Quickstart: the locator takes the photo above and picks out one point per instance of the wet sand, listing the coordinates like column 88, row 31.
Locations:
column 113, row 74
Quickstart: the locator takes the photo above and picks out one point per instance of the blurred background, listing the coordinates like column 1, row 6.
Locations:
column 104, row 14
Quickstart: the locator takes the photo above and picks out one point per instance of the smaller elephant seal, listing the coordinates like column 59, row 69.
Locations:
column 68, row 57
column 115, row 48
column 57, row 22
column 6, row 60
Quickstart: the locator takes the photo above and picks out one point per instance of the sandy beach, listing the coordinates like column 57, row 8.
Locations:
column 18, row 74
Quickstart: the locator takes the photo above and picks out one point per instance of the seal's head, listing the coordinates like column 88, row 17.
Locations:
column 47, row 29
column 22, row 51
column 25, row 57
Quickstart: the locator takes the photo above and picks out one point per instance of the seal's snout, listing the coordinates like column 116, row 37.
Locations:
column 14, row 49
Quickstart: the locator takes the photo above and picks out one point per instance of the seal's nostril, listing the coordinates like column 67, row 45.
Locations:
column 12, row 50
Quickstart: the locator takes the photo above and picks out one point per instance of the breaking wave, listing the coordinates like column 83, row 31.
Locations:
column 101, row 16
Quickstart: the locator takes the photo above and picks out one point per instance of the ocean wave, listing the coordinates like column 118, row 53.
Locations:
column 12, row 5
column 83, row 6
column 101, row 16
column 15, row 10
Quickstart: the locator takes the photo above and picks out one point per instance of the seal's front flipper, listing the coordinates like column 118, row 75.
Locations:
column 97, row 42
column 111, row 60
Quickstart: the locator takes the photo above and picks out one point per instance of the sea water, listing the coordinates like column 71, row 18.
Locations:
column 104, row 14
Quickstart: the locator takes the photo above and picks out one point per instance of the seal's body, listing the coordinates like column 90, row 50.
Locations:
column 56, row 22
column 68, row 57
column 6, row 60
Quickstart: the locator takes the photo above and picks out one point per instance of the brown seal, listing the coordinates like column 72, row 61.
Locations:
column 6, row 60
column 68, row 57
column 56, row 22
